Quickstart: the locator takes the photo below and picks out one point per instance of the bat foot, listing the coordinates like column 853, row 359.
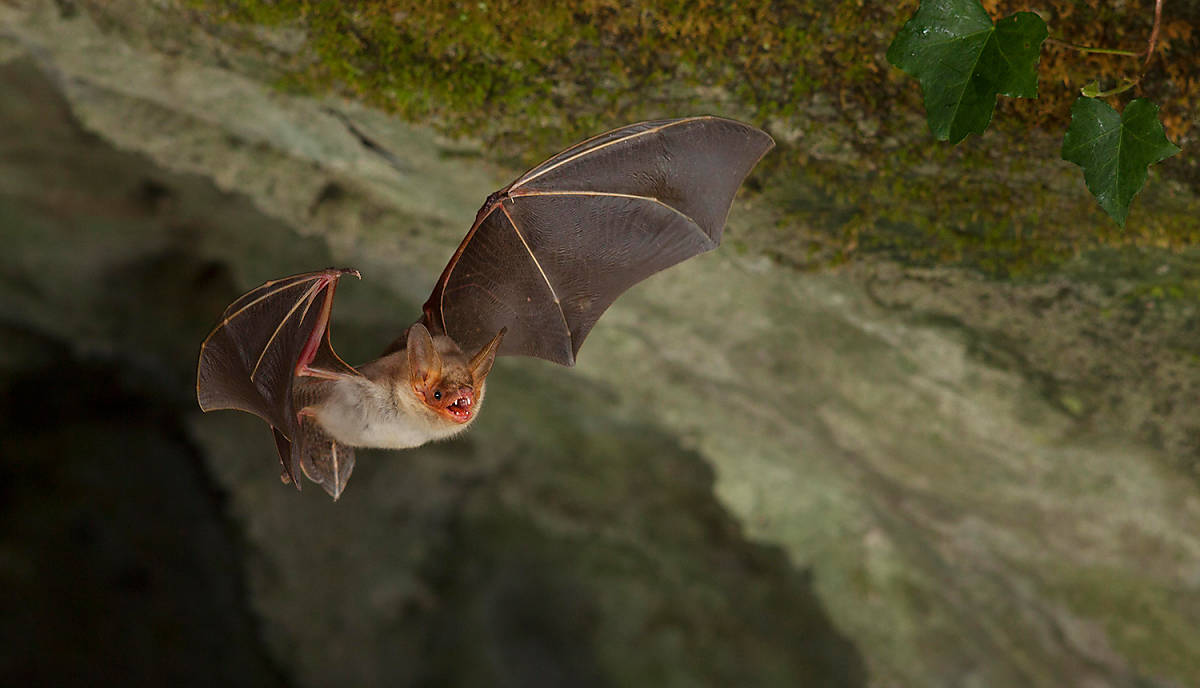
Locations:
column 306, row 412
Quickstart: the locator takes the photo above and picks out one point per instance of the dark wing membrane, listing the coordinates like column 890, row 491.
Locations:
column 325, row 461
column 693, row 165
column 560, row 244
column 598, row 141
column 249, row 360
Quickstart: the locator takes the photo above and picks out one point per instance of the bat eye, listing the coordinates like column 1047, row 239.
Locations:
column 437, row 394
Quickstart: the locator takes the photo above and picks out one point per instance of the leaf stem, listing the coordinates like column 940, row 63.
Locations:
column 1092, row 90
column 1148, row 52
column 1087, row 49
column 1154, row 32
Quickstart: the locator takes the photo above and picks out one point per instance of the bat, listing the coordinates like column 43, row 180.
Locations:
column 545, row 257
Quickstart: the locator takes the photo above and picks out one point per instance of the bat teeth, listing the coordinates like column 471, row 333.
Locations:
column 460, row 409
column 465, row 398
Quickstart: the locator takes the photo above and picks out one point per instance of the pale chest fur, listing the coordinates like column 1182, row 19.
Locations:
column 364, row 413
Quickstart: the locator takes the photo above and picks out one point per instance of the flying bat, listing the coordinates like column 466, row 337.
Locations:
column 546, row 256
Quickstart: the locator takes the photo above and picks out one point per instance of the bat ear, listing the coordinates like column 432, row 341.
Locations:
column 481, row 363
column 424, row 363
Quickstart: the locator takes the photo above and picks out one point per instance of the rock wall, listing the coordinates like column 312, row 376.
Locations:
column 754, row 476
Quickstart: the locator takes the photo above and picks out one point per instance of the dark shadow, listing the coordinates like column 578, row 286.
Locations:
column 120, row 566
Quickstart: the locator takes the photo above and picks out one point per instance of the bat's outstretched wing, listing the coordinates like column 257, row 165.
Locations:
column 264, row 340
column 551, row 251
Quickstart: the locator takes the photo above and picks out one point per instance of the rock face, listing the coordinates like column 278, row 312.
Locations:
column 753, row 477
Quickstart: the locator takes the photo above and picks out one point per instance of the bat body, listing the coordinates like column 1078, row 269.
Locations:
column 389, row 405
column 375, row 412
column 543, row 260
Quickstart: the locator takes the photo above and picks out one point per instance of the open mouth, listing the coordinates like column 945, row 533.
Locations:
column 460, row 409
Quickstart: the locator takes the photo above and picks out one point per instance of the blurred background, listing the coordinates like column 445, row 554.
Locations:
column 926, row 418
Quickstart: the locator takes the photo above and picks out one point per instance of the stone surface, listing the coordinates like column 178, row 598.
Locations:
column 754, row 476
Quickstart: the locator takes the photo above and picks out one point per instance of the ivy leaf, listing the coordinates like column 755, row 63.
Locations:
column 1114, row 149
column 963, row 61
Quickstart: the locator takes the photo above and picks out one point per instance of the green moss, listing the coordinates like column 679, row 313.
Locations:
column 528, row 77
column 1142, row 277
column 1144, row 618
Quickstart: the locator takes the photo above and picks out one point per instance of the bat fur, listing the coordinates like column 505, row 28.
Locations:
column 392, row 405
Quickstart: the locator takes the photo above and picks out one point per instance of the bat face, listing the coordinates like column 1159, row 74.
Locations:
column 443, row 378
column 454, row 405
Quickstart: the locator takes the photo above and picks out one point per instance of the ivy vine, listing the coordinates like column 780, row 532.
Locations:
column 964, row 60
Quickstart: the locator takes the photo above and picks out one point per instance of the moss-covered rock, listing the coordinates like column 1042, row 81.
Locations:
column 971, row 460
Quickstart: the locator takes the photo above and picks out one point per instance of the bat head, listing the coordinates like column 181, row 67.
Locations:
column 443, row 378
